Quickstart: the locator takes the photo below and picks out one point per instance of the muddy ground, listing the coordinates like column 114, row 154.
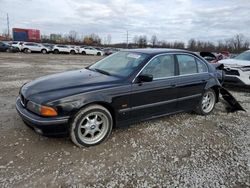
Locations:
column 184, row 150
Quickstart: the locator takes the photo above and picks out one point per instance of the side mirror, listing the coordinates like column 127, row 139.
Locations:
column 145, row 78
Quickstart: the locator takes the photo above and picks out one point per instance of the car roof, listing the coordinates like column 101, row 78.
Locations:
column 155, row 51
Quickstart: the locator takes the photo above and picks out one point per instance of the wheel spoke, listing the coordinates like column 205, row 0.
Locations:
column 86, row 133
column 88, row 119
column 92, row 134
column 97, row 129
column 83, row 126
column 99, row 123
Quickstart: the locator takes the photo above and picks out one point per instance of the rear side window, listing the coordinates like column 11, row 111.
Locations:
column 190, row 65
column 201, row 66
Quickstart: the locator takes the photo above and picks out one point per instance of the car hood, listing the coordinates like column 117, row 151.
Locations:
column 235, row 62
column 64, row 84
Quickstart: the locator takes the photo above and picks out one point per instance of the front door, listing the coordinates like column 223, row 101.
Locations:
column 158, row 97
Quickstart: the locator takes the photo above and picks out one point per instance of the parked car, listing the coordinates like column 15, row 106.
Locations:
column 63, row 49
column 34, row 47
column 49, row 46
column 214, row 57
column 237, row 70
column 109, row 51
column 129, row 86
column 98, row 48
column 77, row 48
column 5, row 47
column 17, row 44
column 88, row 50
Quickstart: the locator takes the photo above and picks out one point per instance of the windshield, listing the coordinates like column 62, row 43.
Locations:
column 119, row 64
column 244, row 56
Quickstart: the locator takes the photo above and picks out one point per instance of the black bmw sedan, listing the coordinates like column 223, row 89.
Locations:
column 126, row 87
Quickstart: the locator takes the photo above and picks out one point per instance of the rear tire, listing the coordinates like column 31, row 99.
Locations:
column 72, row 52
column 91, row 126
column 207, row 103
column 26, row 50
column 98, row 53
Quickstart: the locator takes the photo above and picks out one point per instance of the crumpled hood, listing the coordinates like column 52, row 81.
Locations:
column 234, row 62
column 65, row 84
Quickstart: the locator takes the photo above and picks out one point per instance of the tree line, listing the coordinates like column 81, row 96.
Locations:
column 235, row 44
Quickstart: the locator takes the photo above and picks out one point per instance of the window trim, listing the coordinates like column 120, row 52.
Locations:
column 177, row 71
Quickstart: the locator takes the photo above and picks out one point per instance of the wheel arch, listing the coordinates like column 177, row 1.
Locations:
column 104, row 104
column 217, row 92
column 215, row 85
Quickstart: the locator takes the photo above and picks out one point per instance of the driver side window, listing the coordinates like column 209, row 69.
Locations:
column 161, row 67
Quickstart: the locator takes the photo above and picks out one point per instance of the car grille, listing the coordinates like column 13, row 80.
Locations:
column 23, row 100
column 232, row 72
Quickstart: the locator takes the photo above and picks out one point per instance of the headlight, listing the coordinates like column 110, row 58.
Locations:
column 41, row 110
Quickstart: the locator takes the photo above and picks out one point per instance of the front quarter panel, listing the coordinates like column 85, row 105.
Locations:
column 115, row 97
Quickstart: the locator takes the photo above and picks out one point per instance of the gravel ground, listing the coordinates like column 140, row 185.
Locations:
column 184, row 150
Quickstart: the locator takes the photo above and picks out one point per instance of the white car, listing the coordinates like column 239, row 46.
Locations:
column 34, row 47
column 17, row 44
column 87, row 50
column 237, row 70
column 63, row 49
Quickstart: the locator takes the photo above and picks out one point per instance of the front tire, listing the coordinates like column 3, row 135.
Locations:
column 72, row 52
column 44, row 51
column 207, row 103
column 91, row 126
column 26, row 50
column 56, row 51
column 83, row 53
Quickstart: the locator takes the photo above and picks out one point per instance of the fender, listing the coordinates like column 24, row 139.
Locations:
column 213, row 82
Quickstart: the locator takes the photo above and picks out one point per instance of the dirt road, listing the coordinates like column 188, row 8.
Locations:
column 184, row 150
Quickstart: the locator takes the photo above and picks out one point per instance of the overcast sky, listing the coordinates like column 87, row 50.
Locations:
column 167, row 19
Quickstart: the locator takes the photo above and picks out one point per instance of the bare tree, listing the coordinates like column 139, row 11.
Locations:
column 136, row 39
column 192, row 45
column 109, row 38
column 142, row 41
column 92, row 39
column 72, row 36
column 154, row 40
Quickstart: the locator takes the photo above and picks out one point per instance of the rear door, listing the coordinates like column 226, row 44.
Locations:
column 192, row 79
column 159, row 96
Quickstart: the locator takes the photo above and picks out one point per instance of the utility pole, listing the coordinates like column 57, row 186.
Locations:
column 8, row 25
column 127, row 39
